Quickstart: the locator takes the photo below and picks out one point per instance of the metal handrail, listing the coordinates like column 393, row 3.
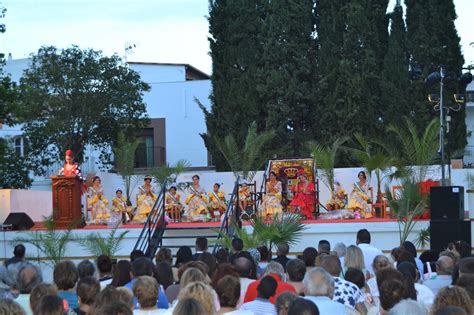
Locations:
column 151, row 236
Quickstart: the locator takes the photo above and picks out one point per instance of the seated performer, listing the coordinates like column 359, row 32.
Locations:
column 97, row 202
column 70, row 168
column 119, row 206
column 359, row 197
column 303, row 200
column 146, row 198
column 338, row 197
column 173, row 204
column 244, row 196
column 271, row 203
column 217, row 204
column 196, row 201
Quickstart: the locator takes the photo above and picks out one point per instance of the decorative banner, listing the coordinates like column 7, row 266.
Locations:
column 288, row 171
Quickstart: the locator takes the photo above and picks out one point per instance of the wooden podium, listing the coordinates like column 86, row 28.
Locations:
column 67, row 201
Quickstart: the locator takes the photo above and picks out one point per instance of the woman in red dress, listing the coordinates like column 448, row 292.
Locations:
column 303, row 200
column 70, row 168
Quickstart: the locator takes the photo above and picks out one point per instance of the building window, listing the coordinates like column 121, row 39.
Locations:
column 18, row 143
column 144, row 156
column 152, row 150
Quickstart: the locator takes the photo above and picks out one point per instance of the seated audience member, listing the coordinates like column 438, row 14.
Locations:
column 296, row 268
column 454, row 296
column 85, row 269
column 50, row 305
column 466, row 266
column 164, row 274
column 228, row 293
column 223, row 270
column 453, row 255
column 104, row 268
column 164, row 255
column 283, row 302
column 145, row 289
column 451, row 310
column 18, row 255
column 10, row 307
column 237, row 247
column 65, row 276
column 255, row 254
column 363, row 240
column 392, row 289
column 354, row 259
column 410, row 247
column 126, row 297
column 27, row 278
column 114, row 308
column 39, row 291
column 105, row 297
column 183, row 255
column 423, row 293
column 309, row 257
column 274, row 270
column 443, row 278
column 200, row 292
column 380, row 262
column 173, row 290
column 189, row 306
column 136, row 253
column 200, row 246
column 87, row 289
column 345, row 292
column 122, row 273
column 222, row 256
column 408, row 307
column 461, row 247
column 319, row 289
column 262, row 305
column 244, row 267
column 303, row 307
column 210, row 261
column 282, row 251
column 356, row 276
column 265, row 256
column 324, row 246
column 143, row 266
column 340, row 249
column 466, row 281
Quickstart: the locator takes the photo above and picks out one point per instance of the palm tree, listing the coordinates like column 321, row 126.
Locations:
column 169, row 173
column 374, row 159
column 124, row 153
column 415, row 151
column 325, row 160
column 246, row 160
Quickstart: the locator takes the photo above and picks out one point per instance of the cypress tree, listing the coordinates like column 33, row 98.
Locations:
column 235, row 47
column 395, row 80
column 285, row 80
column 433, row 41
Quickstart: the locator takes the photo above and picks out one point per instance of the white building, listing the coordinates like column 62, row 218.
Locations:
column 175, row 117
column 469, row 156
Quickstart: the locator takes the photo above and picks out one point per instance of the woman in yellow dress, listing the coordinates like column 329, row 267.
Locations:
column 119, row 206
column 217, row 204
column 173, row 204
column 196, row 202
column 338, row 197
column 97, row 202
column 244, row 196
column 145, row 200
column 271, row 203
column 359, row 197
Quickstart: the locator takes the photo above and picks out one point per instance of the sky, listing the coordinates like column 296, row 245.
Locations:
column 169, row 31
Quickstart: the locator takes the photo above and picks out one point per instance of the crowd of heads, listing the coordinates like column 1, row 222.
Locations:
column 357, row 278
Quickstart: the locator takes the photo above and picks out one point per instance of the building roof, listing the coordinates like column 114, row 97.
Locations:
column 192, row 73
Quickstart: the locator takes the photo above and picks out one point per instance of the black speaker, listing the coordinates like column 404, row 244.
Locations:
column 19, row 221
column 447, row 202
column 443, row 232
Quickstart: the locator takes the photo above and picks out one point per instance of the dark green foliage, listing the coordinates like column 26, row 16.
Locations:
column 73, row 98
column 13, row 168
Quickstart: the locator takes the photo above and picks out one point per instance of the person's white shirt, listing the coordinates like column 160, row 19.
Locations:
column 438, row 282
column 240, row 312
column 374, row 289
column 369, row 253
column 424, row 294
column 326, row 306
column 157, row 311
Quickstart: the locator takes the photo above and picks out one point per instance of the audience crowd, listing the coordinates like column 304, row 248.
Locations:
column 344, row 279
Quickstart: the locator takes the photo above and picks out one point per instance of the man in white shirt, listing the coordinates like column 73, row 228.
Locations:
column 369, row 252
column 319, row 289
column 443, row 278
column 262, row 305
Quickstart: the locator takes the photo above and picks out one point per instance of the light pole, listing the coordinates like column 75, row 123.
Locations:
column 440, row 76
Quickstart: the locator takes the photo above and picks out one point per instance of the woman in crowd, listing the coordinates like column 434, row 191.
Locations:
column 359, row 198
column 354, row 258
column 122, row 273
column 97, row 201
column 145, row 200
column 217, row 204
column 173, row 204
column 303, row 200
column 454, row 296
column 271, row 203
column 196, row 201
